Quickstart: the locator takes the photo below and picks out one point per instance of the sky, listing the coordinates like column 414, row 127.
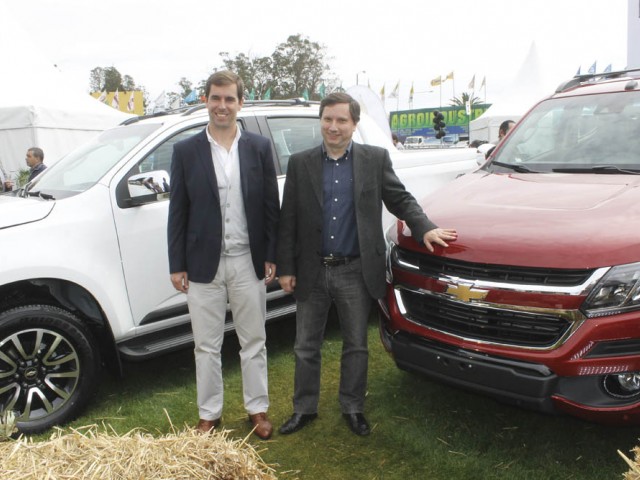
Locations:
column 377, row 43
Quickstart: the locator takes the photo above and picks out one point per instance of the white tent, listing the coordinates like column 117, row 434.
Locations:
column 529, row 86
column 38, row 107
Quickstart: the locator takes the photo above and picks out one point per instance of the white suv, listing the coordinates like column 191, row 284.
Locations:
column 84, row 277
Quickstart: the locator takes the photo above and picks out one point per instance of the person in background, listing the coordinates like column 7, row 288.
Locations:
column 502, row 132
column 6, row 185
column 331, row 249
column 398, row 144
column 34, row 159
column 222, row 231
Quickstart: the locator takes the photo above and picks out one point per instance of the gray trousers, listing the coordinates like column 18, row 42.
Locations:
column 344, row 286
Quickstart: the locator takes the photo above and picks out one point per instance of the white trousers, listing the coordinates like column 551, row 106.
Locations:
column 235, row 280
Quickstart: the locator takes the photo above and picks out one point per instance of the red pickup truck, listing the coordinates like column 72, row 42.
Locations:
column 538, row 301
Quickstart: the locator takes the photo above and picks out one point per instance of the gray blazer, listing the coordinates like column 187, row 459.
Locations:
column 300, row 229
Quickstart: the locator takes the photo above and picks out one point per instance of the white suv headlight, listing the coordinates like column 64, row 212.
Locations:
column 617, row 292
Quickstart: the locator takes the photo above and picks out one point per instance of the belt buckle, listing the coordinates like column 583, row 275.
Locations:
column 332, row 261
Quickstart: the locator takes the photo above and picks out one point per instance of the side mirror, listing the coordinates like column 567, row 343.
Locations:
column 481, row 152
column 149, row 187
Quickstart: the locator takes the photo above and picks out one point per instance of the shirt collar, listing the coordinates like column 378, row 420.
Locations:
column 213, row 140
column 344, row 156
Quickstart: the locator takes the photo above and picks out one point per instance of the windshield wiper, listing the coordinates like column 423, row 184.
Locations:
column 40, row 194
column 515, row 168
column 596, row 169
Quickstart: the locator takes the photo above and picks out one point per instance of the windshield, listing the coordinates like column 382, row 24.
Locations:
column 581, row 134
column 411, row 140
column 85, row 166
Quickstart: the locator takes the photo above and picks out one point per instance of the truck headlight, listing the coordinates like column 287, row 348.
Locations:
column 617, row 292
column 390, row 254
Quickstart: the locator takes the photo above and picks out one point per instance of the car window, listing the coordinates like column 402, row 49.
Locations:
column 160, row 157
column 84, row 167
column 293, row 134
column 578, row 132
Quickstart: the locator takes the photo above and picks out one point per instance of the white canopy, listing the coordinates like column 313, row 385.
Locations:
column 529, row 86
column 38, row 107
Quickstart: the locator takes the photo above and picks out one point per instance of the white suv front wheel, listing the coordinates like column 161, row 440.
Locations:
column 49, row 366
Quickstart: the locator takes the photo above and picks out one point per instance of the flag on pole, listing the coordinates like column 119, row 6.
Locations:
column 267, row 94
column 131, row 104
column 592, row 69
column 382, row 93
column 484, row 82
column 394, row 94
column 436, row 81
column 115, row 101
column 160, row 100
column 322, row 90
column 176, row 102
column 472, row 83
column 252, row 94
column 191, row 98
column 449, row 77
column 305, row 94
column 103, row 96
column 411, row 94
column 608, row 69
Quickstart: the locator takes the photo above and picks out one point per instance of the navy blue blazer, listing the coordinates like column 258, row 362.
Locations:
column 194, row 228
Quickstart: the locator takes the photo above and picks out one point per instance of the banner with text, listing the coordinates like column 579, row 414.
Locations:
column 406, row 123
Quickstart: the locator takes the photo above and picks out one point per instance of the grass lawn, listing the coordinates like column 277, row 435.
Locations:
column 420, row 429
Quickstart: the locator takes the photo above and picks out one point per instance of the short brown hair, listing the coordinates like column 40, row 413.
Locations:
column 37, row 152
column 223, row 78
column 341, row 97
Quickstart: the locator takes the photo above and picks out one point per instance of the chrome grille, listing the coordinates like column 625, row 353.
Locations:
column 479, row 322
column 434, row 266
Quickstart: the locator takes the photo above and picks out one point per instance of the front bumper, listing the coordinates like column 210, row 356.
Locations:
column 525, row 384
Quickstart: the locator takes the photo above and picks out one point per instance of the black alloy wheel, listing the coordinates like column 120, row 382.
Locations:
column 49, row 366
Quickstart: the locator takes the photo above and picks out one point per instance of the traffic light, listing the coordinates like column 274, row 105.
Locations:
column 438, row 124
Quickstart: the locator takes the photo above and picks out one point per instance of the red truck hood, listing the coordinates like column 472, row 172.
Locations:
column 540, row 220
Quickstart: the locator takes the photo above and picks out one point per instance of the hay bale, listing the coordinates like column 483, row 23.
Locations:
column 7, row 425
column 88, row 453
column 634, row 468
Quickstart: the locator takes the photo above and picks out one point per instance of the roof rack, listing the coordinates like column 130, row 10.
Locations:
column 282, row 102
column 590, row 77
column 188, row 110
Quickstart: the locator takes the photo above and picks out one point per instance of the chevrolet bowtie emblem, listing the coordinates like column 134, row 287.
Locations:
column 466, row 293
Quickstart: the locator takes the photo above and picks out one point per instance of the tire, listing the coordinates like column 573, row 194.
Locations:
column 49, row 366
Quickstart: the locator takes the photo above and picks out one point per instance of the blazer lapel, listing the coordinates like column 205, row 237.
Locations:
column 314, row 168
column 244, row 152
column 203, row 150
column 359, row 159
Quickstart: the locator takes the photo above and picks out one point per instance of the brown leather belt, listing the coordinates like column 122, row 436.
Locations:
column 336, row 261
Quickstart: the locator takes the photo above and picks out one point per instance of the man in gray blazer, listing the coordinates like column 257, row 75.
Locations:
column 331, row 249
column 222, row 229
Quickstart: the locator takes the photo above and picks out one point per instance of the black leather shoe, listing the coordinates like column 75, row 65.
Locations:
column 297, row 422
column 357, row 423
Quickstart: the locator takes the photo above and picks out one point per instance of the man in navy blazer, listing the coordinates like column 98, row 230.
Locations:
column 331, row 249
column 222, row 229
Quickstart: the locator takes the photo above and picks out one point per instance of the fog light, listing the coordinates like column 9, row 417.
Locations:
column 623, row 385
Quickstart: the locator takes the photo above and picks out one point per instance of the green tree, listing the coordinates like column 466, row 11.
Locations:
column 186, row 86
column 298, row 64
column 463, row 99
column 110, row 79
column 295, row 66
column 256, row 73
column 128, row 83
